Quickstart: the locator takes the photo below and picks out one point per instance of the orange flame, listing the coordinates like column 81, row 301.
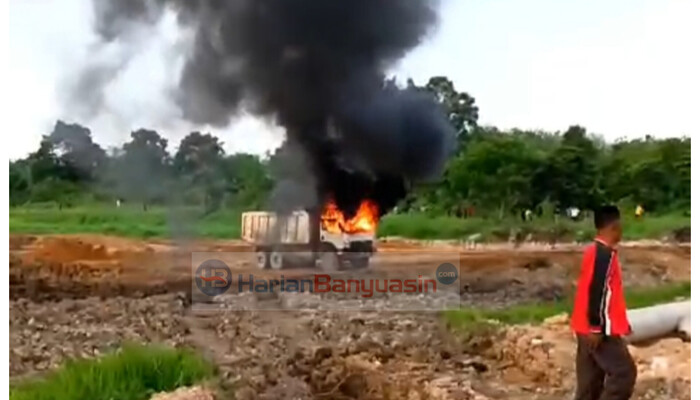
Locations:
column 365, row 219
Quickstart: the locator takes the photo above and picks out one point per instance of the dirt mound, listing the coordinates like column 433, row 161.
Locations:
column 536, row 357
column 61, row 250
column 74, row 248
column 79, row 266
column 17, row 242
column 75, row 266
column 663, row 369
column 533, row 357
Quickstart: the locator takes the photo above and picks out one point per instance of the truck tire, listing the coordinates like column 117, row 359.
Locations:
column 276, row 260
column 262, row 259
column 329, row 261
column 359, row 263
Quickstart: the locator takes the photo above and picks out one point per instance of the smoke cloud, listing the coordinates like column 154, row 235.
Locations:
column 316, row 67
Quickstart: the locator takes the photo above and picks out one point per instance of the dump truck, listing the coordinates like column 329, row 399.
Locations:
column 305, row 238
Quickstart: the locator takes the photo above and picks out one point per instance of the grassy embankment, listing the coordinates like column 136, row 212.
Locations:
column 133, row 373
column 468, row 318
column 164, row 222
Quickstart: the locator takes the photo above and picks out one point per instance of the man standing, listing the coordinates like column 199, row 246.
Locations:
column 604, row 368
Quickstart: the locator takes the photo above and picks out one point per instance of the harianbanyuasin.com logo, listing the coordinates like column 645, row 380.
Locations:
column 213, row 277
column 399, row 282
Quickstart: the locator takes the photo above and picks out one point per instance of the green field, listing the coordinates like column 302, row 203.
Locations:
column 133, row 373
column 188, row 222
column 126, row 221
column 422, row 226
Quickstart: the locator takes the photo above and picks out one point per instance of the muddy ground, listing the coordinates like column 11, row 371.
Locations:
column 83, row 295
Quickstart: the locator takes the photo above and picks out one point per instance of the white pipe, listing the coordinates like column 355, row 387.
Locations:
column 651, row 323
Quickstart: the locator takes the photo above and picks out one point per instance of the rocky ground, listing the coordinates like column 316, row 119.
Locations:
column 326, row 354
column 319, row 352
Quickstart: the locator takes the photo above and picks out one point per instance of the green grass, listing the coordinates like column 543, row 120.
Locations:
column 189, row 222
column 537, row 312
column 133, row 373
column 126, row 221
column 423, row 226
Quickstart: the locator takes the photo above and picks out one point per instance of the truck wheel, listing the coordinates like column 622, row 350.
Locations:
column 329, row 261
column 359, row 263
column 276, row 260
column 262, row 260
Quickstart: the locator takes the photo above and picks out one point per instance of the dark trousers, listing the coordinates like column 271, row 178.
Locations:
column 605, row 373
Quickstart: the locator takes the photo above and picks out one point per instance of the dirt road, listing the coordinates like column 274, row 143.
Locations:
column 83, row 295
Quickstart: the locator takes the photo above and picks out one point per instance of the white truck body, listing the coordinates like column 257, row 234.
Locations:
column 280, row 238
column 266, row 228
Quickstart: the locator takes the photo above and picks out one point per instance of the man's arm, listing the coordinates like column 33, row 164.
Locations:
column 598, row 288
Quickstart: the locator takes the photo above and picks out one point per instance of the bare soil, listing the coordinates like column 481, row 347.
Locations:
column 82, row 295
column 78, row 266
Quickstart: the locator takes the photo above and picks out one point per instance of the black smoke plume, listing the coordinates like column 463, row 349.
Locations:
column 317, row 67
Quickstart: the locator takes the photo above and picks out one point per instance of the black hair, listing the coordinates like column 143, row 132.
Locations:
column 606, row 215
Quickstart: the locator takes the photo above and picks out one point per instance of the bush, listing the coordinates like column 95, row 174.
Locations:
column 132, row 373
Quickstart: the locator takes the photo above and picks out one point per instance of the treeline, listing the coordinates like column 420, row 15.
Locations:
column 492, row 172
column 502, row 172
column 69, row 169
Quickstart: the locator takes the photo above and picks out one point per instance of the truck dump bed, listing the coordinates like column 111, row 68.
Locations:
column 264, row 227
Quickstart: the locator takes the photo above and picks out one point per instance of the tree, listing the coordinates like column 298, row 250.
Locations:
column 570, row 177
column 141, row 171
column 20, row 182
column 651, row 172
column 77, row 155
column 198, row 161
column 66, row 161
column 495, row 170
column 463, row 114
column 249, row 179
column 61, row 191
column 43, row 163
column 460, row 106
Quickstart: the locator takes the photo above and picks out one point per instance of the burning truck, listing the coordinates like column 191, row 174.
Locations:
column 355, row 139
column 325, row 237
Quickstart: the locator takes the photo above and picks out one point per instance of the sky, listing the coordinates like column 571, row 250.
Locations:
column 621, row 68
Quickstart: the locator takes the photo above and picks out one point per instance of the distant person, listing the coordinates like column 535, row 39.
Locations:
column 604, row 368
column 639, row 211
column 573, row 213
